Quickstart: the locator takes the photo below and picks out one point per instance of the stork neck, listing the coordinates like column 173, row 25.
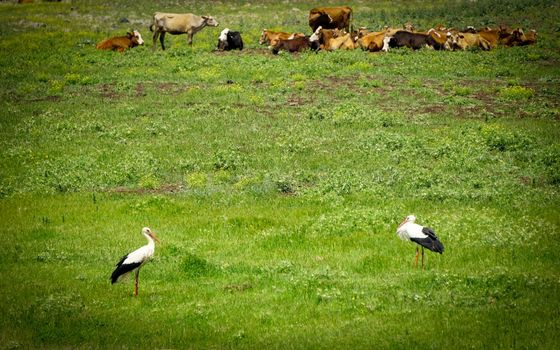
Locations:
column 149, row 239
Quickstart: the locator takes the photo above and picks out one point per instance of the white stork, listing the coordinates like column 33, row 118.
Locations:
column 133, row 261
column 423, row 236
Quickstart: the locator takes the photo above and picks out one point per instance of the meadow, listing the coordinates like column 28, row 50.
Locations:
column 276, row 183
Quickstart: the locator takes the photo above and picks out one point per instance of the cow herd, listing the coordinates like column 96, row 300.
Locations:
column 332, row 30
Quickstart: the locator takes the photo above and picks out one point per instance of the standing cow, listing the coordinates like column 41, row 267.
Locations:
column 330, row 18
column 178, row 23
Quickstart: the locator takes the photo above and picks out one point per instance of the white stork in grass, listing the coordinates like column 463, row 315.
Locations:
column 423, row 236
column 133, row 261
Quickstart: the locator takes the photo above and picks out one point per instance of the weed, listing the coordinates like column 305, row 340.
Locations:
column 516, row 92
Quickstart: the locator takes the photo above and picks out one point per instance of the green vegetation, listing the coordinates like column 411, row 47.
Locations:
column 276, row 183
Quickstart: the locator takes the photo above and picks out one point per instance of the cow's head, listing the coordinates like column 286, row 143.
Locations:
column 316, row 36
column 138, row 37
column 210, row 21
column 458, row 41
column 222, row 39
column 264, row 36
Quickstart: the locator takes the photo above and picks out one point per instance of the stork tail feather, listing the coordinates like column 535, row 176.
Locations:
column 432, row 244
column 123, row 269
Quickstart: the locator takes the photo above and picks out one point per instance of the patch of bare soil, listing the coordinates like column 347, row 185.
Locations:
column 173, row 88
column 244, row 52
column 163, row 189
column 108, row 91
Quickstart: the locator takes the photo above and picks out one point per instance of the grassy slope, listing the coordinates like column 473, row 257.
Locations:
column 276, row 196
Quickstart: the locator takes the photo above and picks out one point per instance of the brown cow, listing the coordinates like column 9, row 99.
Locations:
column 440, row 37
column 372, row 41
column 271, row 38
column 291, row 45
column 492, row 36
column 331, row 18
column 121, row 43
column 343, row 42
column 519, row 38
column 321, row 38
column 463, row 41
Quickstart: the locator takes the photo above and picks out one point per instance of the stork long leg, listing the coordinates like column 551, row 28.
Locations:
column 422, row 258
column 416, row 258
column 136, row 282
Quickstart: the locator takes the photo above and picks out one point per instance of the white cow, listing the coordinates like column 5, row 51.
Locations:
column 178, row 23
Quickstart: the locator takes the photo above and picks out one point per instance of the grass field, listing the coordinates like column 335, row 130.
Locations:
column 276, row 183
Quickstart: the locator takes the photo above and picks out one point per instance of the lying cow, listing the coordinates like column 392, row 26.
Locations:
column 321, row 38
column 292, row 45
column 414, row 41
column 463, row 41
column 331, row 39
column 373, row 41
column 330, row 18
column 121, row 43
column 491, row 36
column 519, row 38
column 230, row 40
column 440, row 36
column 178, row 23
column 271, row 38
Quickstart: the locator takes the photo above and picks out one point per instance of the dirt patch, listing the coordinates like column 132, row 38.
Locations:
column 173, row 88
column 163, row 189
column 244, row 52
column 140, row 90
column 232, row 288
column 295, row 101
column 108, row 91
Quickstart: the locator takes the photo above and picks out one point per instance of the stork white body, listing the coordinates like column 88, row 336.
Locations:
column 134, row 261
column 408, row 230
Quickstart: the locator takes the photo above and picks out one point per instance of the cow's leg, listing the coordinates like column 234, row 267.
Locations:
column 162, row 39
column 190, row 36
column 154, row 39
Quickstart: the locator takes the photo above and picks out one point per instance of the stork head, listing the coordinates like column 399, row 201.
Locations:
column 410, row 218
column 147, row 232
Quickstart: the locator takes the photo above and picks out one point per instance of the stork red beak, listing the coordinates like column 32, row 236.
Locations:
column 153, row 235
column 402, row 223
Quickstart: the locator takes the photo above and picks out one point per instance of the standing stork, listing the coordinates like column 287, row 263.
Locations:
column 423, row 236
column 133, row 261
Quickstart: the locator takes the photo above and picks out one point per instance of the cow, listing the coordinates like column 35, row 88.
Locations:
column 414, row 41
column 492, row 36
column 330, row 39
column 519, row 38
column 330, row 18
column 178, row 23
column 271, row 38
column 440, row 37
column 343, row 42
column 463, row 41
column 230, row 40
column 121, row 43
column 372, row 41
column 292, row 45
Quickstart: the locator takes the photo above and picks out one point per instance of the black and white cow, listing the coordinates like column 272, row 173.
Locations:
column 229, row 40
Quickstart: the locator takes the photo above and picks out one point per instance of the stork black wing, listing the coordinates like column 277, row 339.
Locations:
column 123, row 268
column 431, row 242
column 429, row 232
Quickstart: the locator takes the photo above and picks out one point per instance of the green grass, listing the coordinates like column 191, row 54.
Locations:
column 276, row 183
